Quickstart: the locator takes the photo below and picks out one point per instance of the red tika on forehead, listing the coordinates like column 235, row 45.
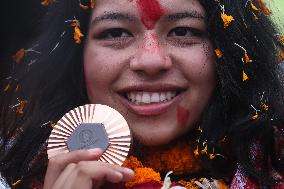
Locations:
column 150, row 12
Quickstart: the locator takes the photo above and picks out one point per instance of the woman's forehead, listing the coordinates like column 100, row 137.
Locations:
column 136, row 7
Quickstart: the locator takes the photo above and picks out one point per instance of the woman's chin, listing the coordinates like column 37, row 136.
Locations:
column 153, row 140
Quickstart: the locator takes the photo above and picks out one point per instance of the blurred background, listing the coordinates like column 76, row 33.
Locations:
column 20, row 18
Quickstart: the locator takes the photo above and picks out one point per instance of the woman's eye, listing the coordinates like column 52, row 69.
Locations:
column 184, row 32
column 114, row 33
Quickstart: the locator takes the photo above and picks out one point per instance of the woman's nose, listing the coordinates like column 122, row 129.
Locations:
column 150, row 58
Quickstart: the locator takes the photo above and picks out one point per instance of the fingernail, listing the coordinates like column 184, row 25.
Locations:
column 128, row 171
column 95, row 151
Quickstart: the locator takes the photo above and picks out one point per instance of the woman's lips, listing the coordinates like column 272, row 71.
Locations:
column 150, row 103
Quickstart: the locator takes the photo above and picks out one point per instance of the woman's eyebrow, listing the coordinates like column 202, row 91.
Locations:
column 114, row 16
column 182, row 15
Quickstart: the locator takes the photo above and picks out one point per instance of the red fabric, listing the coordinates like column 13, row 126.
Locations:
column 241, row 181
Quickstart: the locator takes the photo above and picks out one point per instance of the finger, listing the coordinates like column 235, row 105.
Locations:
column 64, row 176
column 92, row 175
column 100, row 171
column 58, row 163
column 127, row 173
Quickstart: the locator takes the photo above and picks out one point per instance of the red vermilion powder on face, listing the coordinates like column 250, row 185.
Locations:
column 182, row 116
column 150, row 12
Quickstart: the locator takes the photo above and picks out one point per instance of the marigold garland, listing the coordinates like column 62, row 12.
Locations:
column 178, row 158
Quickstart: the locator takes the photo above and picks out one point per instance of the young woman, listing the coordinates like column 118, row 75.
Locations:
column 201, row 76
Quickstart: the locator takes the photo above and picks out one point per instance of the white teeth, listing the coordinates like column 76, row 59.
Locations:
column 163, row 97
column 155, row 97
column 146, row 98
column 137, row 98
column 150, row 97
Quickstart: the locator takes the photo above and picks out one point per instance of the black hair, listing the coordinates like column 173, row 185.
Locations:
column 231, row 112
column 54, row 84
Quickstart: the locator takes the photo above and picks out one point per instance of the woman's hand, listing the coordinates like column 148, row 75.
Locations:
column 80, row 169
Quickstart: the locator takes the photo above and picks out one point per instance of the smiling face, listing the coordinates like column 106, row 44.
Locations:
column 151, row 61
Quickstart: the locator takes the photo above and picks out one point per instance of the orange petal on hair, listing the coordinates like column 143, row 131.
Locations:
column 19, row 55
column 195, row 152
column 218, row 53
column 17, row 182
column 20, row 109
column 46, row 2
column 211, row 156
column 7, row 87
column 265, row 107
column 253, row 7
column 227, row 19
column 92, row 4
column 17, row 88
column 84, row 7
column 247, row 59
column 204, row 150
column 77, row 32
column 263, row 7
column 245, row 76
column 254, row 117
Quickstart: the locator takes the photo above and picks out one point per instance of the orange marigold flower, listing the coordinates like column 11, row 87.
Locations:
column 19, row 55
column 222, row 185
column 132, row 163
column 77, row 32
column 245, row 76
column 263, row 7
column 143, row 175
column 227, row 19
column 178, row 157
column 218, row 53
column 20, row 109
